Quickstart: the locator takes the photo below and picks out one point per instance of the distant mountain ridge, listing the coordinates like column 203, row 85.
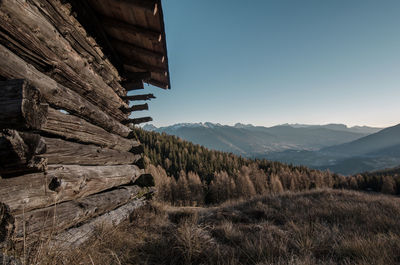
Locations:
column 332, row 126
column 342, row 149
column 252, row 141
column 371, row 144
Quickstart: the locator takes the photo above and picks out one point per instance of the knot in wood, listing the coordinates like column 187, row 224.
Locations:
column 55, row 184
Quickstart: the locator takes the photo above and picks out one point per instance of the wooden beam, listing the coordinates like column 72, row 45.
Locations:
column 67, row 214
column 126, row 49
column 132, row 29
column 148, row 5
column 138, row 120
column 21, row 106
column 69, row 153
column 75, row 237
column 62, row 183
column 136, row 108
column 132, row 85
column 58, row 151
column 137, row 76
column 23, row 152
column 56, row 95
column 158, row 83
column 139, row 97
column 136, row 62
column 73, row 128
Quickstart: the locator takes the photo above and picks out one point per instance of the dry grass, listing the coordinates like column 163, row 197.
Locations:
column 315, row 227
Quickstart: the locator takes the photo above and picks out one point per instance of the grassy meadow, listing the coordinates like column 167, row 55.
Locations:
column 311, row 227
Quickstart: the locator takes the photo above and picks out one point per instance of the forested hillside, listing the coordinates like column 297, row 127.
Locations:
column 258, row 141
column 189, row 174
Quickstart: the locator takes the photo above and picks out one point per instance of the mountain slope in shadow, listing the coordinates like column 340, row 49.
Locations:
column 254, row 141
column 381, row 143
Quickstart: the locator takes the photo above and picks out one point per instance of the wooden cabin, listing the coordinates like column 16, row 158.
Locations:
column 69, row 160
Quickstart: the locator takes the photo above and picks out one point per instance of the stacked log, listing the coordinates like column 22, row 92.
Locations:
column 54, row 162
column 68, row 158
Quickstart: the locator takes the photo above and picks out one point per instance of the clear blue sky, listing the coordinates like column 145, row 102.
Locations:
column 269, row 62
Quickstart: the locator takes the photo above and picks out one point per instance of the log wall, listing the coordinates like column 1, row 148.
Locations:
column 68, row 158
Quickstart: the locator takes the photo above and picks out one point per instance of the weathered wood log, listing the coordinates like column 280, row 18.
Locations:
column 12, row 66
column 132, row 85
column 58, row 151
column 67, row 214
column 137, row 120
column 62, row 183
column 136, row 108
column 21, row 106
column 75, row 237
column 132, row 29
column 17, row 157
column 22, row 152
column 31, row 35
column 29, row 113
column 139, row 97
column 79, row 130
column 63, row 152
column 6, row 224
column 60, row 16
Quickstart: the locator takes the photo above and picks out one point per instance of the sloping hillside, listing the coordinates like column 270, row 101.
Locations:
column 386, row 140
column 306, row 228
column 253, row 141
column 190, row 174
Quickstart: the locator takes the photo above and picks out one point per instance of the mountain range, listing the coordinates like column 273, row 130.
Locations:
column 342, row 149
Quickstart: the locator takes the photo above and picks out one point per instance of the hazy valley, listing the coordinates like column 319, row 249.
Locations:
column 342, row 149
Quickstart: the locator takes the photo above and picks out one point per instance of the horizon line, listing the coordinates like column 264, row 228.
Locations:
column 279, row 124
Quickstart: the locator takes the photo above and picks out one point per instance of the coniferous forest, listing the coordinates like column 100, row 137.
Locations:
column 189, row 174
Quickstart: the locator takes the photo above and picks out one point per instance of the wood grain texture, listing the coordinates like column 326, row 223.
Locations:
column 62, row 183
column 21, row 106
column 31, row 34
column 60, row 15
column 27, row 151
column 76, row 129
column 75, row 237
column 56, row 95
column 67, row 214
column 58, row 151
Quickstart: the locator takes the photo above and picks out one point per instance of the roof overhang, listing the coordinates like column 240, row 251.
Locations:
column 132, row 33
